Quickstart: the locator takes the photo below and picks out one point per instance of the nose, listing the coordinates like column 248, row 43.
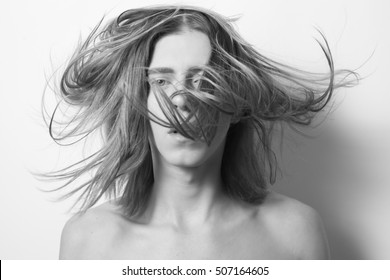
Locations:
column 180, row 101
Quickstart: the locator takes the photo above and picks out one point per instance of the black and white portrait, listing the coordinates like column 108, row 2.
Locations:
column 195, row 130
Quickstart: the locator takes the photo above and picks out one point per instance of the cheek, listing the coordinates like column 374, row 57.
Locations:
column 157, row 137
column 152, row 103
column 155, row 130
column 224, row 124
column 154, row 109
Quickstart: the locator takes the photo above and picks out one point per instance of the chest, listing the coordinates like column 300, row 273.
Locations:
column 238, row 243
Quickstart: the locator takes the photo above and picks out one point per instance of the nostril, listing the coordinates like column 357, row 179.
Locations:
column 179, row 101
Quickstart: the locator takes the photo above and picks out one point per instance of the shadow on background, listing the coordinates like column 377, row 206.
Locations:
column 342, row 176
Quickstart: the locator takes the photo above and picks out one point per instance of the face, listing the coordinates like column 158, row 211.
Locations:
column 174, row 57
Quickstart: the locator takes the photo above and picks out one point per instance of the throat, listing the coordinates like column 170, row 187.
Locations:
column 186, row 207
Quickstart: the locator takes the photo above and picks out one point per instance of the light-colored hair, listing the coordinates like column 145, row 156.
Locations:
column 106, row 79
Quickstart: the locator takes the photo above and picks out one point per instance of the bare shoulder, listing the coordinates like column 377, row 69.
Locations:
column 87, row 235
column 296, row 225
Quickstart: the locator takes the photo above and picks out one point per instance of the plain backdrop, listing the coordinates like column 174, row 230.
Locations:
column 343, row 172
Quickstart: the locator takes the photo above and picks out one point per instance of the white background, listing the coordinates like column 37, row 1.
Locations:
column 344, row 173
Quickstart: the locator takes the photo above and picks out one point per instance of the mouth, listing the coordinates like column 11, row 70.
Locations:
column 173, row 131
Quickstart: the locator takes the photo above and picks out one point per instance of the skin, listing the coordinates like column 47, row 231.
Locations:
column 189, row 216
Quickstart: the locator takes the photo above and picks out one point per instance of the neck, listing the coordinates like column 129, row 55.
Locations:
column 186, row 197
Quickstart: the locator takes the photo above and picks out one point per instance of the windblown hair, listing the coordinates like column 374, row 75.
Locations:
column 107, row 81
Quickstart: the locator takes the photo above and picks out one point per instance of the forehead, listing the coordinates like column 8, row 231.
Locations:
column 181, row 51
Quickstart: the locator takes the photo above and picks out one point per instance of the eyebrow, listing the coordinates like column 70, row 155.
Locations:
column 167, row 70
column 160, row 70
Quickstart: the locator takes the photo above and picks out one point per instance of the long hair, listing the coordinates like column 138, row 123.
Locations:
column 107, row 81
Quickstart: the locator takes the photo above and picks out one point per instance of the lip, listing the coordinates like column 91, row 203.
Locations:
column 178, row 136
column 172, row 131
column 181, row 138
